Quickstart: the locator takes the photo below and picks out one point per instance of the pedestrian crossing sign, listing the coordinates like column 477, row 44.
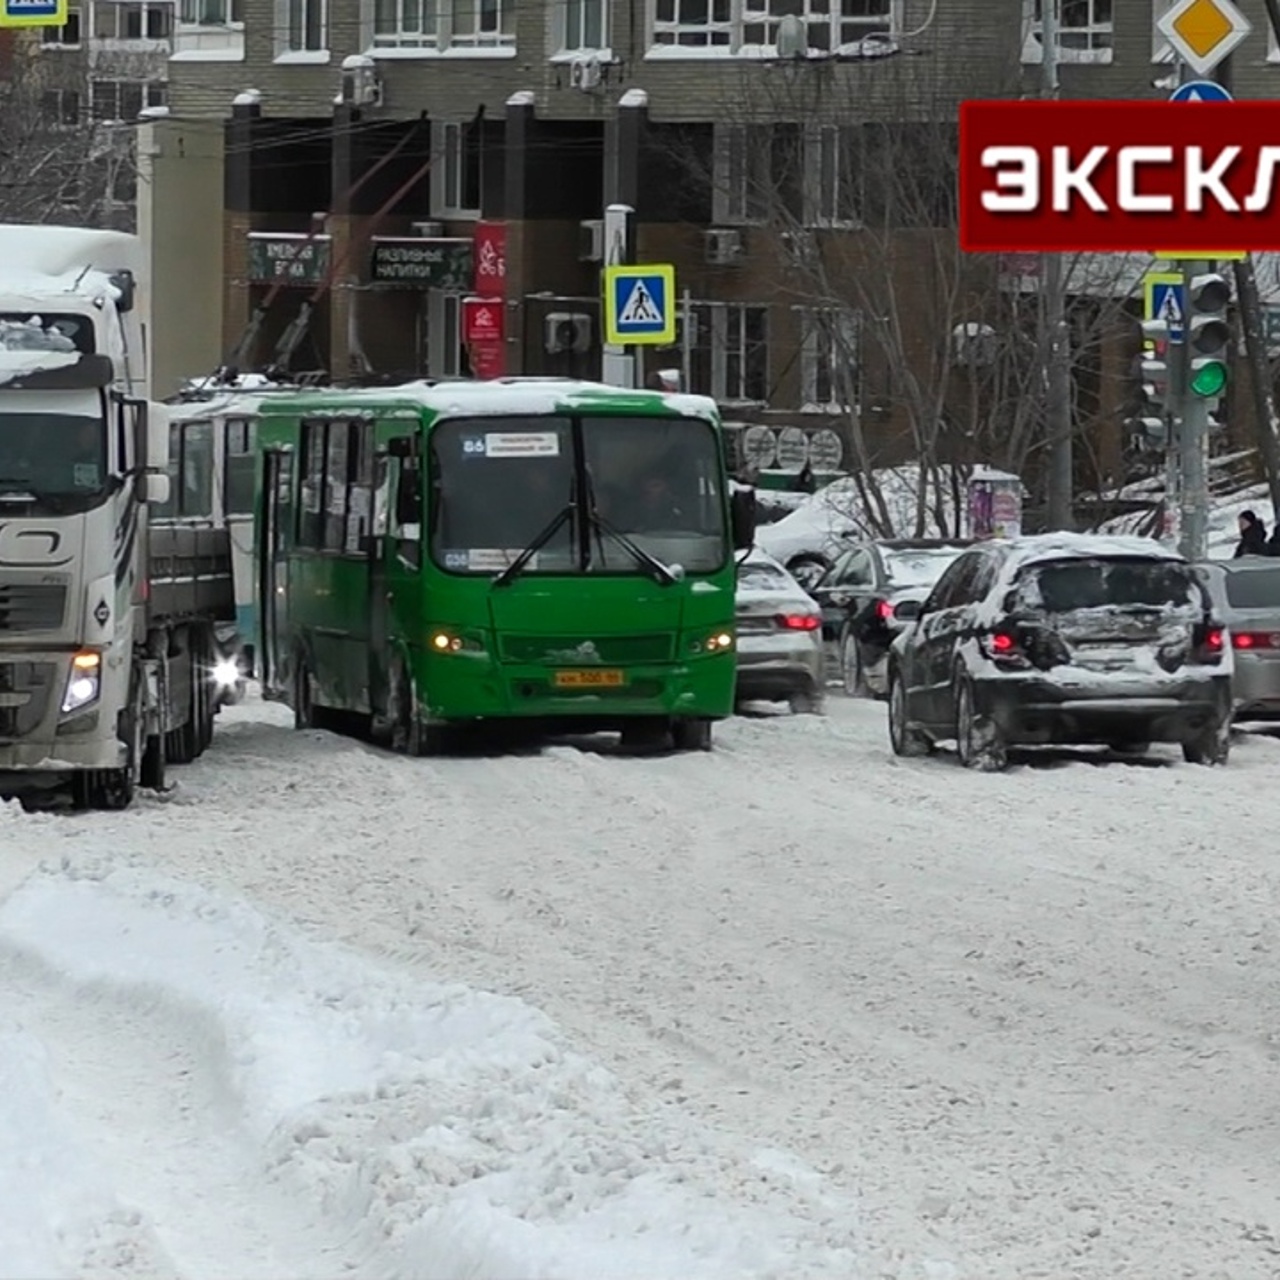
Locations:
column 33, row 13
column 1165, row 299
column 639, row 305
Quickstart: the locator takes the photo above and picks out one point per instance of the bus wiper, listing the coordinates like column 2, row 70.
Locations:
column 13, row 489
column 661, row 574
column 521, row 562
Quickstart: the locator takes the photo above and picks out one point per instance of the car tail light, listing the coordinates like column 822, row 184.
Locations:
column 1254, row 640
column 884, row 610
column 1210, row 642
column 799, row 621
column 1004, row 649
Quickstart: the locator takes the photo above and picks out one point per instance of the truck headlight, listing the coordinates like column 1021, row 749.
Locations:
column 84, row 683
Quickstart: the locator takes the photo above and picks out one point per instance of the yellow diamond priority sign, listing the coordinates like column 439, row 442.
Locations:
column 1203, row 32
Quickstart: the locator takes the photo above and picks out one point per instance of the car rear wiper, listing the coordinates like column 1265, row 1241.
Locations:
column 521, row 562
column 659, row 571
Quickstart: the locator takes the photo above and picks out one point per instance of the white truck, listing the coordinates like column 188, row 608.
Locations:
column 109, row 660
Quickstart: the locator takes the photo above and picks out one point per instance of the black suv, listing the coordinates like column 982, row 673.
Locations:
column 1063, row 638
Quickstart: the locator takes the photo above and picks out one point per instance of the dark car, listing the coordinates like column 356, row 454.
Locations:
column 1063, row 638
column 860, row 596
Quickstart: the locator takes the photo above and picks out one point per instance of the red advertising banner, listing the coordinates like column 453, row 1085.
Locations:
column 1103, row 176
column 484, row 316
column 490, row 256
column 483, row 320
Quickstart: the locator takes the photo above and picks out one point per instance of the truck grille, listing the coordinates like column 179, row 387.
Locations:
column 31, row 606
column 578, row 651
column 25, row 690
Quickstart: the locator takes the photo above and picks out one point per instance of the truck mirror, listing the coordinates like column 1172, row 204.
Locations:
column 742, row 518
column 156, row 487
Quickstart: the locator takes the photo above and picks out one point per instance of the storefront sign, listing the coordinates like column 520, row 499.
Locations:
column 419, row 262
column 288, row 259
column 483, row 320
column 491, row 260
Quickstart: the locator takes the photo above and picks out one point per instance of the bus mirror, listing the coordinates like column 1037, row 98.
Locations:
column 409, row 497
column 742, row 518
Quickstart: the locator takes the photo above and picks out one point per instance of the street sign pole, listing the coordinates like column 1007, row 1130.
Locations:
column 1193, row 446
column 618, row 363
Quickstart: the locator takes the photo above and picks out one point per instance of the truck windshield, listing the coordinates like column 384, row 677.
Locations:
column 497, row 484
column 51, row 455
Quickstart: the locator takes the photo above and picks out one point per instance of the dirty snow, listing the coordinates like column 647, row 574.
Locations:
column 794, row 1008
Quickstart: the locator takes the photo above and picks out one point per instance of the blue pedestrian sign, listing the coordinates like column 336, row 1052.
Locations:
column 640, row 305
column 1200, row 91
column 1168, row 303
column 33, row 13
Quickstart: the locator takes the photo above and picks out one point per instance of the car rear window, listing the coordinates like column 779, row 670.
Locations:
column 762, row 577
column 1063, row 586
column 919, row 568
column 1254, row 588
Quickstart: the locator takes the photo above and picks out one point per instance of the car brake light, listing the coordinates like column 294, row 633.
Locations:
column 799, row 621
column 1255, row 640
column 1213, row 640
column 884, row 610
column 1003, row 642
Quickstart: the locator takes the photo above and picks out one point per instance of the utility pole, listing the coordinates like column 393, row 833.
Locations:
column 1193, row 437
column 1060, row 486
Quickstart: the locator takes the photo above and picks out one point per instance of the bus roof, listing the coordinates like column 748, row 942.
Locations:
column 497, row 398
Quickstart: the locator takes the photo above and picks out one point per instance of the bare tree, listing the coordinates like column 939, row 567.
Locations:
column 935, row 360
column 60, row 163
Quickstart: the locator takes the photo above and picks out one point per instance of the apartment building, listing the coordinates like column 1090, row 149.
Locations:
column 335, row 176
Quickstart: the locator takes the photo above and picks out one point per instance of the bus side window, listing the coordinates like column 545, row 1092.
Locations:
column 196, row 498
column 238, row 479
column 310, row 516
column 406, row 523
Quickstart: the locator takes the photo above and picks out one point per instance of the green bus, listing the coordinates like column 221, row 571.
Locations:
column 532, row 554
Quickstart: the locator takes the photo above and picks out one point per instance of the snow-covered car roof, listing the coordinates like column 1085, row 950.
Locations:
column 1083, row 546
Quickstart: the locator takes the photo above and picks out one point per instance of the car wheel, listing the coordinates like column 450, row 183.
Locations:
column 903, row 738
column 852, row 675
column 1212, row 747
column 978, row 744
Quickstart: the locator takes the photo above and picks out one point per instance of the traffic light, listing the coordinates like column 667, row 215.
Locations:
column 1208, row 335
column 1149, row 424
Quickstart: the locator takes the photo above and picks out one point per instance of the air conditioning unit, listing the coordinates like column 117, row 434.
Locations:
column 568, row 331
column 427, row 230
column 361, row 83
column 585, row 73
column 723, row 247
column 591, row 240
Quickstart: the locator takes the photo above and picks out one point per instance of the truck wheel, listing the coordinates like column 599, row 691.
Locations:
column 114, row 789
column 203, row 696
column 182, row 745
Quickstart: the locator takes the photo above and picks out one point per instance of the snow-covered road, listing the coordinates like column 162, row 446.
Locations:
column 860, row 1017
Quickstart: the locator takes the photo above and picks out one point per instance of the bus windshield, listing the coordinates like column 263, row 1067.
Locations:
column 497, row 484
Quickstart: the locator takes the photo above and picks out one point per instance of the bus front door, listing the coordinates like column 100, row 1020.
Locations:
column 273, row 579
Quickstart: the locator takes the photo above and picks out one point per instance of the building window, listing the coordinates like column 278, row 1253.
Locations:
column 62, row 106
column 406, row 23
column 302, row 26
column 831, row 360
column 758, row 174
column 584, row 25
column 67, row 35
column 116, row 99
column 1085, row 30
column 441, row 24
column 481, row 22
column 455, row 176
column 747, row 26
column 211, row 13
column 136, row 21
column 729, row 356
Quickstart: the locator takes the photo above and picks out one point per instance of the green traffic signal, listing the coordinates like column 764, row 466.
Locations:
column 1209, row 379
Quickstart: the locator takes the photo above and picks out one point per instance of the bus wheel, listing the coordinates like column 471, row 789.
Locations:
column 305, row 715
column 691, row 735
column 409, row 735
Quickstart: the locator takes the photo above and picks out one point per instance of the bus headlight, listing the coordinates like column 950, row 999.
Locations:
column 444, row 640
column 84, row 684
column 226, row 673
column 717, row 642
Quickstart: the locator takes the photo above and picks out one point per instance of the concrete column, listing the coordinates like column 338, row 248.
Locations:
column 240, row 132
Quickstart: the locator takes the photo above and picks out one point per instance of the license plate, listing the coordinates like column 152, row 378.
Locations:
column 589, row 679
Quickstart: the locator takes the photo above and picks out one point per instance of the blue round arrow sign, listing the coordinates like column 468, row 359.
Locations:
column 1200, row 91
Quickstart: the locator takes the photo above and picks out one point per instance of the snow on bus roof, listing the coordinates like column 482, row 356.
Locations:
column 504, row 396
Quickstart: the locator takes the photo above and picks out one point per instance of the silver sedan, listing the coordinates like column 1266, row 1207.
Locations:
column 1246, row 593
column 780, row 656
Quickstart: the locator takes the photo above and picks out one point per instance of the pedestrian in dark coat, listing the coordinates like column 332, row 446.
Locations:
column 1253, row 536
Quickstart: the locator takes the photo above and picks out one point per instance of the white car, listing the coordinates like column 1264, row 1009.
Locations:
column 780, row 656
